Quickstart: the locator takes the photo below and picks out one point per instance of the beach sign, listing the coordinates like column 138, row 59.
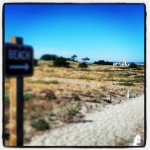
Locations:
column 18, row 63
column 18, row 60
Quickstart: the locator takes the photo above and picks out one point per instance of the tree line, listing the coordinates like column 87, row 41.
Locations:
column 60, row 61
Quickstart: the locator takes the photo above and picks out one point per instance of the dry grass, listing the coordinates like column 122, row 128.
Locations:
column 56, row 90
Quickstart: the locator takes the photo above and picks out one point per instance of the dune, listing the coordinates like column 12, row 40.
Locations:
column 98, row 128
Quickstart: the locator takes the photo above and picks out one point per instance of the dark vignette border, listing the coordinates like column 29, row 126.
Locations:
column 53, row 3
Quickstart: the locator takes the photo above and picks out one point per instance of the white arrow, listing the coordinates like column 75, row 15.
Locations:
column 25, row 67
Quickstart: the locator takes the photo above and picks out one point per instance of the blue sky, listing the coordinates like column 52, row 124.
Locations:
column 100, row 32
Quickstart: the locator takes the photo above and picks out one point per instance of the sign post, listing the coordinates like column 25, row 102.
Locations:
column 20, row 104
column 18, row 63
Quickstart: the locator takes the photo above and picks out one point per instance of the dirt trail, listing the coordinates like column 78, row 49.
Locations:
column 98, row 128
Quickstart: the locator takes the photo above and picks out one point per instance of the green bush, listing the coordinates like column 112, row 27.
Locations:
column 97, row 98
column 40, row 124
column 73, row 111
column 133, row 65
column 28, row 96
column 83, row 65
column 48, row 57
column 102, row 62
column 61, row 62
column 139, row 78
column 127, row 84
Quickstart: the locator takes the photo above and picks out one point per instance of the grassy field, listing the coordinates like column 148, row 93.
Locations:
column 55, row 96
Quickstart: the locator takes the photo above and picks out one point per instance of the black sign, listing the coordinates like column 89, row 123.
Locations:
column 18, row 60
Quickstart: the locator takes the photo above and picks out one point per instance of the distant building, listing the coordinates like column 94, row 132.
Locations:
column 121, row 64
column 117, row 64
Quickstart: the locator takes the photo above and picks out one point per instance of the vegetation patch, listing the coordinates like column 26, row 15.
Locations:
column 86, row 78
column 133, row 65
column 28, row 96
column 97, row 98
column 46, row 94
column 49, row 57
column 124, row 80
column 73, row 111
column 61, row 62
column 40, row 124
column 102, row 62
column 45, row 82
column 7, row 100
column 83, row 65
column 126, row 84
column 139, row 79
column 65, row 90
column 54, row 82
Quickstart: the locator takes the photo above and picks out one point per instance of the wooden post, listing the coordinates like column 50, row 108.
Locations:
column 16, row 105
column 12, row 141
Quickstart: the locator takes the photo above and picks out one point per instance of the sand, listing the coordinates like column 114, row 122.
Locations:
column 102, row 128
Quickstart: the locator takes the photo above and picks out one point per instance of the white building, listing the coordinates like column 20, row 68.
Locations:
column 121, row 64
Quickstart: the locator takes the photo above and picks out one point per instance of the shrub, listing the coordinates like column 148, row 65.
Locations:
column 83, row 65
column 139, row 78
column 133, row 65
column 48, row 57
column 97, row 98
column 54, row 82
column 73, row 111
column 127, row 84
column 40, row 124
column 28, row 96
column 61, row 62
column 47, row 94
column 102, row 62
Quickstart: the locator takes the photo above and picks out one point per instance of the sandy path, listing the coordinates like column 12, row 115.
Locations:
column 99, row 129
